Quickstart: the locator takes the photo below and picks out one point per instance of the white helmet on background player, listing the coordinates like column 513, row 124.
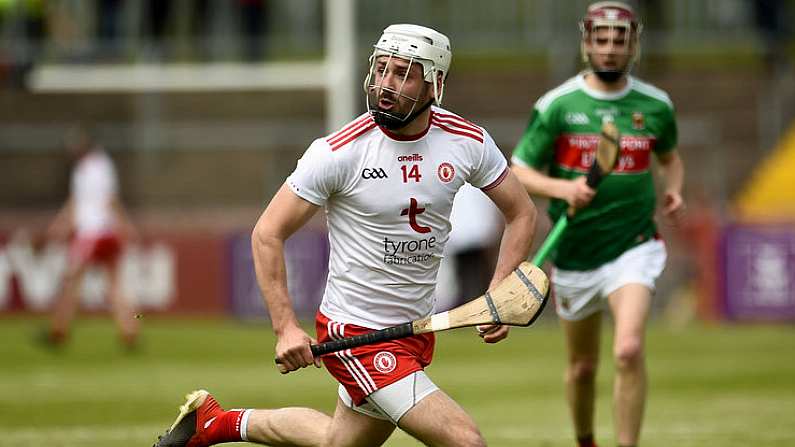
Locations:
column 615, row 15
column 416, row 44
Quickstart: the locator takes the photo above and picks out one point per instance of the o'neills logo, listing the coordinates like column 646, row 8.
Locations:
column 385, row 362
column 412, row 157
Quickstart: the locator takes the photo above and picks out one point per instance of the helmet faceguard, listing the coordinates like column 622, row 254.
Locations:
column 416, row 45
column 610, row 15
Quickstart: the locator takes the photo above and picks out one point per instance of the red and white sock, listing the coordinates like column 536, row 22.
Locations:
column 227, row 426
column 216, row 426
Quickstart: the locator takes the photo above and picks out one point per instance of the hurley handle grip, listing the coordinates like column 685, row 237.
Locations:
column 390, row 333
column 594, row 177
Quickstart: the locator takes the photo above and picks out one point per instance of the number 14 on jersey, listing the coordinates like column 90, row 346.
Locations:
column 412, row 172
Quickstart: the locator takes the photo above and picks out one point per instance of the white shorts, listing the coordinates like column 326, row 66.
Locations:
column 391, row 402
column 581, row 293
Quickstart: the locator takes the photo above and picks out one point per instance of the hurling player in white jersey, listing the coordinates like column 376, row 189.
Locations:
column 386, row 182
column 97, row 225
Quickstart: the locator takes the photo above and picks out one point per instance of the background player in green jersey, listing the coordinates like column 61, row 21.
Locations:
column 610, row 254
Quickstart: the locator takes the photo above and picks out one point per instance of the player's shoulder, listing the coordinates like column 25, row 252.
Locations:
column 349, row 133
column 454, row 124
column 558, row 94
column 651, row 91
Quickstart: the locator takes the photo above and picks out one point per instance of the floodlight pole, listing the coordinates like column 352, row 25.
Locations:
column 340, row 62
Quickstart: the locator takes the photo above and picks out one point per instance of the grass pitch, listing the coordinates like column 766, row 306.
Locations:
column 727, row 386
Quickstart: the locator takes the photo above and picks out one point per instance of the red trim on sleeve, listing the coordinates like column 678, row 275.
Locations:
column 458, row 131
column 349, row 130
column 462, row 121
column 348, row 127
column 457, row 121
column 350, row 136
column 497, row 182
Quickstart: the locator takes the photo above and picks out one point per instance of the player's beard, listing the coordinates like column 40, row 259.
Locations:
column 608, row 75
column 393, row 119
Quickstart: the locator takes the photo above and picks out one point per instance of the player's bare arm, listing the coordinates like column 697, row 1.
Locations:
column 61, row 225
column 520, row 222
column 575, row 192
column 672, row 171
column 285, row 214
column 520, row 218
column 122, row 218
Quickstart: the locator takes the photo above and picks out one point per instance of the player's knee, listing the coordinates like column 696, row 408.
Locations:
column 583, row 370
column 628, row 354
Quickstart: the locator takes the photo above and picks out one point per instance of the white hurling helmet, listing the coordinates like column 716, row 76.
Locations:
column 417, row 44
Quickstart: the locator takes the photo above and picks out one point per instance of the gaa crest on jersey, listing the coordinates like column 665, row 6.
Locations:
column 374, row 173
column 446, row 172
column 385, row 362
column 638, row 121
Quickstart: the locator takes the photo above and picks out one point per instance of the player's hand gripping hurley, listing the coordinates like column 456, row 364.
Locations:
column 516, row 301
column 605, row 160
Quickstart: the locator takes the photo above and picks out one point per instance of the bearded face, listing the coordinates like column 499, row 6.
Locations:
column 610, row 51
column 396, row 91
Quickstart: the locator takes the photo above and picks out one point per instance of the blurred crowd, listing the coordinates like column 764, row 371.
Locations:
column 101, row 31
column 116, row 31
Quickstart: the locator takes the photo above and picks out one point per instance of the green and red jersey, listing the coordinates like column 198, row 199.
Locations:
column 562, row 136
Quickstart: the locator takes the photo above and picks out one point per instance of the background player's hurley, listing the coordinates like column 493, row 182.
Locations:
column 516, row 301
column 605, row 160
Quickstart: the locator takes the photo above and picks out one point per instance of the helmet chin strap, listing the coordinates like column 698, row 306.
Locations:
column 394, row 122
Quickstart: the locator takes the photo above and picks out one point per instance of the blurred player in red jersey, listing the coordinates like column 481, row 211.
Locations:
column 387, row 182
column 610, row 255
column 95, row 223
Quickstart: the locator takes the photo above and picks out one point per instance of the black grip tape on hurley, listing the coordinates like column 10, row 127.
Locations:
column 495, row 317
column 390, row 333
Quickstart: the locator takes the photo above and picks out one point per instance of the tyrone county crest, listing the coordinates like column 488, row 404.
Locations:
column 385, row 362
column 638, row 121
column 446, row 172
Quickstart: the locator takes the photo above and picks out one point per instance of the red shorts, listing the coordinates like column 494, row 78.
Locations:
column 96, row 249
column 365, row 369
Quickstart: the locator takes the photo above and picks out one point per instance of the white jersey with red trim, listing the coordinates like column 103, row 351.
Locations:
column 388, row 201
column 94, row 185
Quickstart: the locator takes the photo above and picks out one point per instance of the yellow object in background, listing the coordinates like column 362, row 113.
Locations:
column 769, row 194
